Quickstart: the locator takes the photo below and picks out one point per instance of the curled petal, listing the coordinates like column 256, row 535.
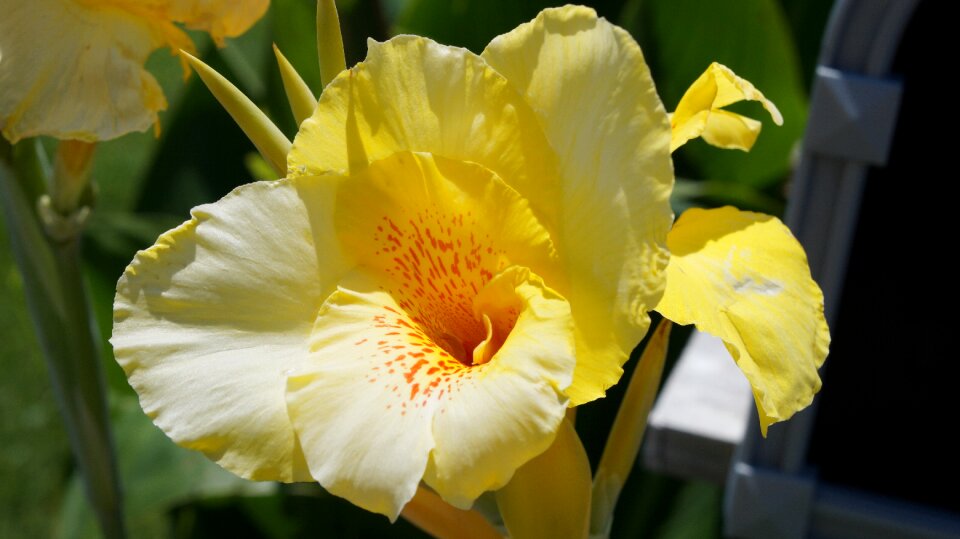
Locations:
column 208, row 321
column 698, row 113
column 743, row 277
column 593, row 94
column 510, row 412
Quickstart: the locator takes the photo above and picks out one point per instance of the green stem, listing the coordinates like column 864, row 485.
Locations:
column 58, row 304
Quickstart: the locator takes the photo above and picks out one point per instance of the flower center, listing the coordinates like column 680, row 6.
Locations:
column 439, row 264
column 436, row 233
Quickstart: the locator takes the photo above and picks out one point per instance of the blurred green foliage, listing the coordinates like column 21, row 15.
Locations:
column 148, row 185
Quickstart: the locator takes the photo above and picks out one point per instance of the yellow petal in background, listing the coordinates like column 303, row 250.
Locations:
column 219, row 18
column 593, row 94
column 208, row 321
column 743, row 277
column 698, row 113
column 74, row 72
column 73, row 69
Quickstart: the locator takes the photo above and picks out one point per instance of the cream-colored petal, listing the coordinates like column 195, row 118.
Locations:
column 592, row 91
column 412, row 94
column 72, row 71
column 743, row 277
column 209, row 320
column 508, row 410
column 698, row 112
column 360, row 408
column 379, row 394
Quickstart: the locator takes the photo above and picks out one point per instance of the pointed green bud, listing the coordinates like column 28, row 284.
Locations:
column 623, row 444
column 329, row 41
column 266, row 137
column 299, row 95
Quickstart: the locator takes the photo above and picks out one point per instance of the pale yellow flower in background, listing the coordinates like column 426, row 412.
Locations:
column 465, row 246
column 74, row 69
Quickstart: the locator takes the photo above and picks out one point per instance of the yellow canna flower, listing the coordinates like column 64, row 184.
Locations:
column 464, row 247
column 73, row 69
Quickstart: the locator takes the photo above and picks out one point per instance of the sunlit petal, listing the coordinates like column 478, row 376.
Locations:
column 592, row 91
column 412, row 94
column 743, row 277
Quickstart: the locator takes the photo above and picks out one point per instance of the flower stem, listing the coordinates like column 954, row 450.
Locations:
column 623, row 444
column 58, row 304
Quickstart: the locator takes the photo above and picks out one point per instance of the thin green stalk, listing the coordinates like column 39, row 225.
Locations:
column 58, row 304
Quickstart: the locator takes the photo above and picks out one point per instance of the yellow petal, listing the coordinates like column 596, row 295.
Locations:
column 208, row 321
column 75, row 72
column 219, row 18
column 550, row 495
column 412, row 94
column 440, row 228
column 589, row 84
column 74, row 68
column 380, row 394
column 698, row 112
column 743, row 277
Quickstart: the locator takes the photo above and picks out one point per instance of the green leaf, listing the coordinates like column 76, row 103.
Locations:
column 157, row 476
column 465, row 23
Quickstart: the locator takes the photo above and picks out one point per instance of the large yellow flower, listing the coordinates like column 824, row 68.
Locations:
column 73, row 69
column 464, row 247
